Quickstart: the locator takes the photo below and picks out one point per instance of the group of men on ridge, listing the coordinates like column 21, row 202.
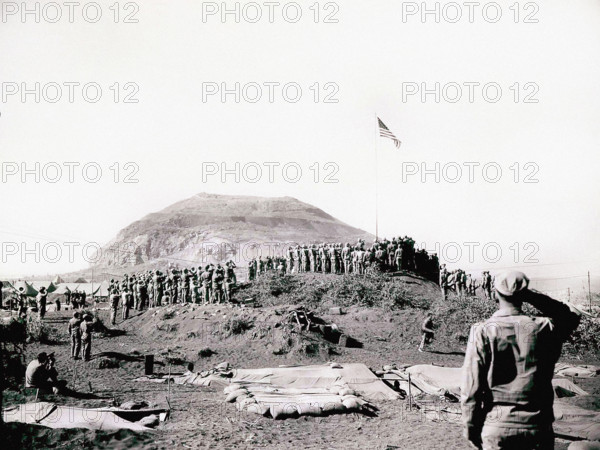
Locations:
column 464, row 283
column 204, row 285
column 338, row 258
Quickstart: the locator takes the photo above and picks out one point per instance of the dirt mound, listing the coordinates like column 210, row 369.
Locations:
column 184, row 329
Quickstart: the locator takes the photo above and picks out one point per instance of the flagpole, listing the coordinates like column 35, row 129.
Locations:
column 376, row 178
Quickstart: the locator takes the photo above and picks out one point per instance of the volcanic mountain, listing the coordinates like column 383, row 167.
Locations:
column 213, row 228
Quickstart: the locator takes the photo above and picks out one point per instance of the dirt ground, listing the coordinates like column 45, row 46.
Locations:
column 199, row 416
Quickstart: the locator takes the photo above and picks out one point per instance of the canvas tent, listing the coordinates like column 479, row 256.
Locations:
column 31, row 289
column 58, row 280
column 96, row 289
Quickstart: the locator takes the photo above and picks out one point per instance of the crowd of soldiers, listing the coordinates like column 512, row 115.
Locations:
column 387, row 256
column 76, row 298
column 19, row 300
column 464, row 284
column 142, row 290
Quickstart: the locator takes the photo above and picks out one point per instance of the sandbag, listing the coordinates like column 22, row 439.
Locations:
column 283, row 411
column 242, row 397
column 309, row 409
column 232, row 387
column 235, row 394
column 258, row 408
column 243, row 405
column 332, row 407
column 347, row 391
column 351, row 404
column 247, row 401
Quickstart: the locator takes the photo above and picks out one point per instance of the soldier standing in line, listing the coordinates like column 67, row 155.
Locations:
column 175, row 287
column 391, row 249
column 261, row 265
column 143, row 293
column 469, row 284
column 229, row 285
column 290, row 259
column 323, row 258
column 306, row 258
column 231, row 272
column 347, row 257
column 194, row 291
column 74, row 298
column 114, row 306
column 74, row 330
column 458, row 282
column 312, row 254
column 132, row 285
column 158, row 287
column 168, row 290
column 398, row 257
column 444, row 284
column 126, row 301
column 317, row 257
column 361, row 256
column 185, row 286
column 136, row 295
column 251, row 270
column 41, row 299
column 435, row 266
column 217, row 285
column 86, row 336
column 281, row 267
column 206, row 280
column 22, row 302
column 151, row 299
column 486, row 285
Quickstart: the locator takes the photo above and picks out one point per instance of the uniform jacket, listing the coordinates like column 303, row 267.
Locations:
column 509, row 365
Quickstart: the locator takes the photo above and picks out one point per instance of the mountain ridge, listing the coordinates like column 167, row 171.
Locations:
column 213, row 227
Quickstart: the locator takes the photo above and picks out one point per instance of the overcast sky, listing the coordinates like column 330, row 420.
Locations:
column 368, row 58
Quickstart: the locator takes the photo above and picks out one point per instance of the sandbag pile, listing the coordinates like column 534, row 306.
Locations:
column 281, row 403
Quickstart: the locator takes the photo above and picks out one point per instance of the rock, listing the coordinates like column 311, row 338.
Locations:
column 336, row 310
column 108, row 363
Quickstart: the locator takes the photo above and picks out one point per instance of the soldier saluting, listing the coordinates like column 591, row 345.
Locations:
column 507, row 393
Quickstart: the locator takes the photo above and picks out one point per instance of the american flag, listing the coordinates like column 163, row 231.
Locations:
column 385, row 132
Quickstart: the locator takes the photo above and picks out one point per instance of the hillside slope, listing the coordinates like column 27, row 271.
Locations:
column 212, row 228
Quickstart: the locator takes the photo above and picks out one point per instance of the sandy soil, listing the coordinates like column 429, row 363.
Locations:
column 199, row 416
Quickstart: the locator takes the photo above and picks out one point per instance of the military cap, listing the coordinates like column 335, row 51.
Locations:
column 510, row 283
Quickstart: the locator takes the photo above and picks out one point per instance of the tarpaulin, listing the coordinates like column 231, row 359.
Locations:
column 54, row 416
